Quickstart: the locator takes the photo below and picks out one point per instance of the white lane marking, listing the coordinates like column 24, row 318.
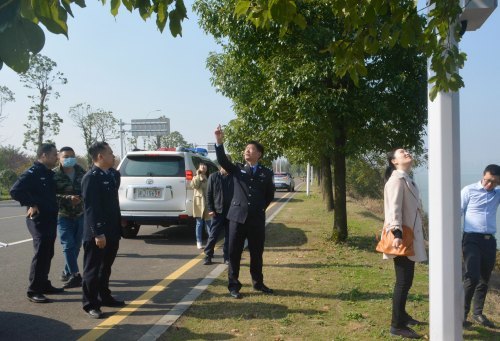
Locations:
column 160, row 327
column 173, row 315
column 15, row 243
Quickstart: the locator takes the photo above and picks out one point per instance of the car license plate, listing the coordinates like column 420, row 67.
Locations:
column 148, row 193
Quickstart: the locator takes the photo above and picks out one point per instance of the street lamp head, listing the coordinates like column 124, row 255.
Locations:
column 475, row 13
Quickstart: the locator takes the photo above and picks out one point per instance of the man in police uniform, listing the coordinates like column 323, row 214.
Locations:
column 253, row 192
column 36, row 190
column 102, row 230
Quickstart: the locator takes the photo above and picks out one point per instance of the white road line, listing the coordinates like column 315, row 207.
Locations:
column 176, row 312
column 15, row 243
column 169, row 318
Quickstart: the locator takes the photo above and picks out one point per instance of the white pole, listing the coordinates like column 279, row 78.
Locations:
column 308, row 174
column 445, row 272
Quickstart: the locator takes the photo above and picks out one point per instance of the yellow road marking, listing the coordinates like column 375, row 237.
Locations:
column 120, row 315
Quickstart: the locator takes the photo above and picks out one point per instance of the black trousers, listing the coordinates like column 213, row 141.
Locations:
column 96, row 272
column 254, row 230
column 405, row 270
column 219, row 224
column 479, row 252
column 43, row 232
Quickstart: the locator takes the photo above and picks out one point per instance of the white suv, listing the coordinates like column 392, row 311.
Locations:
column 155, row 189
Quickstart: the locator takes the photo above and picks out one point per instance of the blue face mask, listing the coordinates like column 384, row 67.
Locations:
column 69, row 162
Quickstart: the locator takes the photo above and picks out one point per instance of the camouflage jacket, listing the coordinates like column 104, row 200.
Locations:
column 65, row 188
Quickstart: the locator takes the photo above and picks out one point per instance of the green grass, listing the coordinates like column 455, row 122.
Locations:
column 323, row 291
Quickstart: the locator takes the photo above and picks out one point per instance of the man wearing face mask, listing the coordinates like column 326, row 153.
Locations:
column 68, row 177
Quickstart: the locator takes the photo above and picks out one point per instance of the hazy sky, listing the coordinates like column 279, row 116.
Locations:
column 125, row 65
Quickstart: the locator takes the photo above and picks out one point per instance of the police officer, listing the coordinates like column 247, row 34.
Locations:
column 253, row 191
column 102, row 230
column 36, row 190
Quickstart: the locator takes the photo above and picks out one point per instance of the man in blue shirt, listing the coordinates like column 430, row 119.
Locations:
column 479, row 208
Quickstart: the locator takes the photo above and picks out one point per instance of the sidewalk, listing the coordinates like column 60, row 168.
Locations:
column 323, row 291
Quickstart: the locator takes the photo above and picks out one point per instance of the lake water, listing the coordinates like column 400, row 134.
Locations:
column 468, row 176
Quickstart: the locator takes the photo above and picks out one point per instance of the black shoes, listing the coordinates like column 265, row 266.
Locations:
column 112, row 302
column 207, row 261
column 235, row 294
column 412, row 322
column 405, row 332
column 37, row 298
column 264, row 289
column 94, row 313
column 75, row 281
column 482, row 320
column 53, row 290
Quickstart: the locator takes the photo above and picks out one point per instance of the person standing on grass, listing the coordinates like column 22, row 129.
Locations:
column 199, row 185
column 36, row 190
column 101, row 231
column 68, row 177
column 479, row 207
column 253, row 191
column 402, row 206
column 219, row 195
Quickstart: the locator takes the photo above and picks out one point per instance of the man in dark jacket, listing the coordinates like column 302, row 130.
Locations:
column 36, row 190
column 102, row 230
column 68, row 177
column 219, row 195
column 253, row 191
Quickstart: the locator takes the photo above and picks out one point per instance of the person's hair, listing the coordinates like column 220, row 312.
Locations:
column 492, row 169
column 390, row 166
column 96, row 148
column 257, row 145
column 44, row 148
column 66, row 149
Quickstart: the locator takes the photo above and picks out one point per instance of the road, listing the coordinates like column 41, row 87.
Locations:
column 151, row 273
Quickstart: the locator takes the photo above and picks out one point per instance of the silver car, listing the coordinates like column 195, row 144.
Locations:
column 284, row 181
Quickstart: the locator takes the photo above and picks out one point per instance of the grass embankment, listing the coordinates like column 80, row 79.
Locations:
column 323, row 291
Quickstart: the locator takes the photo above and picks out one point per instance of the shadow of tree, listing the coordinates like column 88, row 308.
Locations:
column 181, row 333
column 371, row 215
column 365, row 243
column 482, row 333
column 275, row 233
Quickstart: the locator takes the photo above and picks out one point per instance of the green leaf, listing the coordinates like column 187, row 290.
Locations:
column 300, row 21
column 242, row 7
column 115, row 5
column 80, row 3
column 128, row 5
column 66, row 4
column 174, row 23
column 35, row 38
column 14, row 48
column 433, row 93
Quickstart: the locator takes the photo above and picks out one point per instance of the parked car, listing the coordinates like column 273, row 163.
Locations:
column 284, row 181
column 155, row 189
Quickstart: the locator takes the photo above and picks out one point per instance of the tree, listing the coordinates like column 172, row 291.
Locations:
column 286, row 92
column 21, row 34
column 95, row 124
column 41, row 76
column 6, row 95
column 367, row 27
column 172, row 140
column 13, row 158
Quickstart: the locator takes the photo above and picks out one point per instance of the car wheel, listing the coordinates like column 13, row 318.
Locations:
column 130, row 231
column 289, row 189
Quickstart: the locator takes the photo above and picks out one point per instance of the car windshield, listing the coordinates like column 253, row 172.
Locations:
column 153, row 166
column 280, row 175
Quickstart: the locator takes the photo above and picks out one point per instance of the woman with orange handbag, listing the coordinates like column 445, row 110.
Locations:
column 402, row 207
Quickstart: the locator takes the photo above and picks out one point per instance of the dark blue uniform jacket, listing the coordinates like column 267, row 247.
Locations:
column 101, row 205
column 36, row 186
column 252, row 192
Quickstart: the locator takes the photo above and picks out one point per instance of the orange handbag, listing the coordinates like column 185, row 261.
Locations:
column 387, row 237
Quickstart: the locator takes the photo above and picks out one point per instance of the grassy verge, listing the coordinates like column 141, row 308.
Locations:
column 323, row 291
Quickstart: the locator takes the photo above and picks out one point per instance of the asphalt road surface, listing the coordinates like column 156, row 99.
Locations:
column 151, row 273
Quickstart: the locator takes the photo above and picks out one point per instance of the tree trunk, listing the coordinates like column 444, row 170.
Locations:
column 41, row 114
column 326, row 182
column 339, row 170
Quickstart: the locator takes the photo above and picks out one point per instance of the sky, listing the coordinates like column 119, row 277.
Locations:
column 125, row 65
